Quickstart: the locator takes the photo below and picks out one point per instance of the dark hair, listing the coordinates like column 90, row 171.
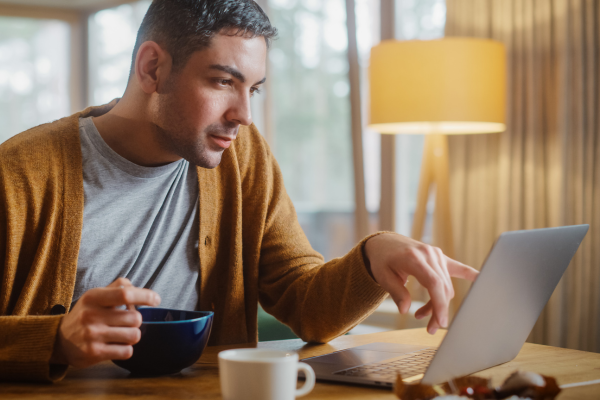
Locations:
column 182, row 27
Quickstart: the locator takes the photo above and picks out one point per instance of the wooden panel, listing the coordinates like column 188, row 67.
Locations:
column 79, row 76
column 387, row 207
column 14, row 10
column 268, row 128
column 74, row 5
column 361, row 217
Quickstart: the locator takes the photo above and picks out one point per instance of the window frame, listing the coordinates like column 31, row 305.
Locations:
column 77, row 18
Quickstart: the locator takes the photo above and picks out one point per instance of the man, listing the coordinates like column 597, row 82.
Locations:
column 172, row 193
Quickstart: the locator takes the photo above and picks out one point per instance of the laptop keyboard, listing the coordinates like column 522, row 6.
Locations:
column 412, row 365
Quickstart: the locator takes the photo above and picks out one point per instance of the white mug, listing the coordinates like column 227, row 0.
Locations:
column 261, row 374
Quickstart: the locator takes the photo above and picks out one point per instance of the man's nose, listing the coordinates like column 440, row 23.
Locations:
column 240, row 111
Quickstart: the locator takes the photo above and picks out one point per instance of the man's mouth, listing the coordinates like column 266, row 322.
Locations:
column 222, row 141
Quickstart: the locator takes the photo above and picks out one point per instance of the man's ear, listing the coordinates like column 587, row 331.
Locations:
column 152, row 66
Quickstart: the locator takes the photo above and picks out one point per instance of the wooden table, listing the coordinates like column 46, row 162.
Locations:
column 201, row 381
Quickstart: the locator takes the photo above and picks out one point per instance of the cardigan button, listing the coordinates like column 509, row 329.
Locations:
column 58, row 309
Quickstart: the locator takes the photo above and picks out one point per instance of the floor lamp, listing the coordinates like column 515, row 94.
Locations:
column 437, row 88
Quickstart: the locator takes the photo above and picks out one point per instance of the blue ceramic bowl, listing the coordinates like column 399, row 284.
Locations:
column 171, row 341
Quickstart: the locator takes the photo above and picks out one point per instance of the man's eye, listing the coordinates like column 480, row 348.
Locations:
column 254, row 91
column 224, row 82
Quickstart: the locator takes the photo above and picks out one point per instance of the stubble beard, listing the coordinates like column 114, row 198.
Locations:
column 194, row 151
column 182, row 140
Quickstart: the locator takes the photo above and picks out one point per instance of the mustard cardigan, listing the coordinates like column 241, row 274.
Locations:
column 252, row 249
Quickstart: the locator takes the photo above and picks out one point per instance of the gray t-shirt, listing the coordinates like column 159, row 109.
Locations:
column 138, row 222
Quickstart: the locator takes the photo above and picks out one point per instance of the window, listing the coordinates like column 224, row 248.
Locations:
column 310, row 113
column 311, row 118
column 112, row 34
column 34, row 73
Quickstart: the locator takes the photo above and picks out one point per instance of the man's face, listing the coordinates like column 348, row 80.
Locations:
column 200, row 108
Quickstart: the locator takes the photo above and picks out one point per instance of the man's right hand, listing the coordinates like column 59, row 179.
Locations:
column 96, row 330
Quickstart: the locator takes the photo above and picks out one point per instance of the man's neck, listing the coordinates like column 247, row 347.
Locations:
column 127, row 130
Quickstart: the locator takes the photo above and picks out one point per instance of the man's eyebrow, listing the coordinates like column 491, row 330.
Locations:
column 231, row 71
column 235, row 73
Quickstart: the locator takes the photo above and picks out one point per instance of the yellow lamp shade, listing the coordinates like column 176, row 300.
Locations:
column 446, row 86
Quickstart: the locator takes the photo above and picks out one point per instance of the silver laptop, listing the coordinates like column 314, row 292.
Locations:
column 494, row 320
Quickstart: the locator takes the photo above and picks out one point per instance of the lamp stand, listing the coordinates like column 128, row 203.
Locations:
column 434, row 170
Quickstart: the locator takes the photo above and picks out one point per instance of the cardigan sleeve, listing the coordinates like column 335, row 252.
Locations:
column 26, row 338
column 26, row 345
column 26, row 342
column 318, row 301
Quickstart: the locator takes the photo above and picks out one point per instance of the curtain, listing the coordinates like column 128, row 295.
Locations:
column 544, row 170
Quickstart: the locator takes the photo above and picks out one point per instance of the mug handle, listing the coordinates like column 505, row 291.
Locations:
column 309, row 382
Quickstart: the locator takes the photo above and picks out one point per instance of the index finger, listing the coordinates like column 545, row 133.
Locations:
column 460, row 270
column 429, row 277
column 116, row 296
